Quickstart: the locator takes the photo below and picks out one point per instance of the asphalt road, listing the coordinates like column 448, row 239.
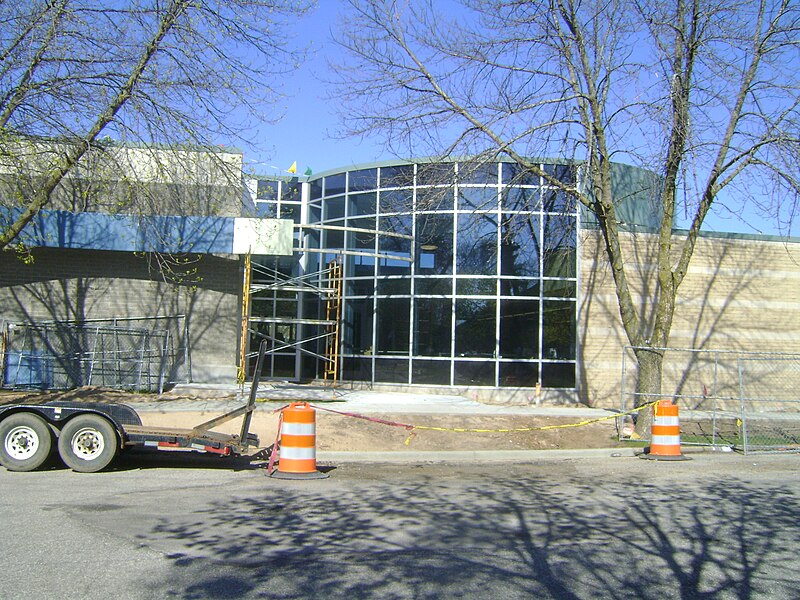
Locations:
column 718, row 526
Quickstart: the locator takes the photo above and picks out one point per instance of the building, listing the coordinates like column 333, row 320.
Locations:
column 455, row 276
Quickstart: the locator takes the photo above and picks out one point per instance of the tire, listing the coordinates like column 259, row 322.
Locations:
column 87, row 444
column 25, row 442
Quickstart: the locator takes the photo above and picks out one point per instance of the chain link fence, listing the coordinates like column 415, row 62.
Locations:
column 134, row 354
column 745, row 401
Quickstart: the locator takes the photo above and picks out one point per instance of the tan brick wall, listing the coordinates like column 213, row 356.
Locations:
column 739, row 295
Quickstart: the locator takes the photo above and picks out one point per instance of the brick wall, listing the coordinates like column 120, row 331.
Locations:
column 739, row 295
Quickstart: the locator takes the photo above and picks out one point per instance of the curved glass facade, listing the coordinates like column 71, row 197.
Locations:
column 454, row 274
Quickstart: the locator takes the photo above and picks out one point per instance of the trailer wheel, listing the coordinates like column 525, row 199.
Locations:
column 87, row 444
column 26, row 442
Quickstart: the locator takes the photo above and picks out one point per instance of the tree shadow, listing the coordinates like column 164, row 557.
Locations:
column 519, row 537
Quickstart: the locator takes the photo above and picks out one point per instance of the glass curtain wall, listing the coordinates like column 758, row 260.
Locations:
column 485, row 295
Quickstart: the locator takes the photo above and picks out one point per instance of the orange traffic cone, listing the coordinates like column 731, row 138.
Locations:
column 297, row 457
column 665, row 433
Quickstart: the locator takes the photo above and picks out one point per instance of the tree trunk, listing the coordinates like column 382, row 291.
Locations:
column 648, row 385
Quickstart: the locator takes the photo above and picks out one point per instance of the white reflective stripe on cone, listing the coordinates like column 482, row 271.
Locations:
column 666, row 421
column 293, row 453
column 666, row 440
column 299, row 428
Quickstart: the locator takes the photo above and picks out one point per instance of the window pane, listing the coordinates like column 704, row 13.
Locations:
column 266, row 210
column 477, row 244
column 475, row 327
column 394, row 287
column 267, row 190
column 433, row 372
column 397, row 176
column 522, row 199
column 473, row 286
column 334, row 184
column 394, row 246
column 433, row 286
column 435, row 199
column 291, row 191
column 477, row 172
column 391, row 370
column 474, row 372
column 519, row 246
column 397, row 201
column 557, row 201
column 516, row 174
column 357, row 369
column 357, row 332
column 477, row 198
column 565, row 173
column 435, row 244
column 435, row 174
column 559, row 330
column 559, row 246
column 316, row 189
column 519, row 329
column 362, row 204
column 393, row 323
column 432, row 326
column 519, row 374
column 558, row 375
column 365, row 179
column 334, row 209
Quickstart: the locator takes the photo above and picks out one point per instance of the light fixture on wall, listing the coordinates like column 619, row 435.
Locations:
column 428, row 247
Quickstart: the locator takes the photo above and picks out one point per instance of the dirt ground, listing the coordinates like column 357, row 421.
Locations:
column 377, row 432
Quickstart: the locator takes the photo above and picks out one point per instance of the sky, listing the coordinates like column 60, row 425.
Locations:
column 306, row 133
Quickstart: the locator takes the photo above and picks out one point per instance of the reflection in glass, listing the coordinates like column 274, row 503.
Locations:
column 559, row 330
column 519, row 246
column 357, row 326
column 334, row 184
column 432, row 320
column 391, row 370
column 558, row 375
column 435, row 244
column 362, row 204
column 397, row 176
column 519, row 374
column 397, row 201
column 476, row 244
column 519, row 328
column 470, row 198
column 430, row 372
column 474, row 372
column 517, row 175
column 559, row 246
column 365, row 179
column 475, row 327
column 394, row 316
column 394, row 246
column 477, row 172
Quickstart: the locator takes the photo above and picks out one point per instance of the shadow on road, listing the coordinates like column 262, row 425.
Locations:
column 520, row 537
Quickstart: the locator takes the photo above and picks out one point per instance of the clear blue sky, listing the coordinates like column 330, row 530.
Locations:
column 307, row 132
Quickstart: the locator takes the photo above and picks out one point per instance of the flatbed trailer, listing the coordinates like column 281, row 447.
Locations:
column 89, row 435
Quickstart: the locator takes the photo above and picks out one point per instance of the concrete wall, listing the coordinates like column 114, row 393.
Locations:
column 739, row 295
column 70, row 285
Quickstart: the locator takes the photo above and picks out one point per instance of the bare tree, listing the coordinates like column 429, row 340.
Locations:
column 704, row 94
column 75, row 74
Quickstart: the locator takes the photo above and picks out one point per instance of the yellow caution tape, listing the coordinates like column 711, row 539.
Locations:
column 540, row 428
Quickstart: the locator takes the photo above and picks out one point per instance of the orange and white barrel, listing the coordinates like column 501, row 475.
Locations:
column 665, row 439
column 298, row 445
